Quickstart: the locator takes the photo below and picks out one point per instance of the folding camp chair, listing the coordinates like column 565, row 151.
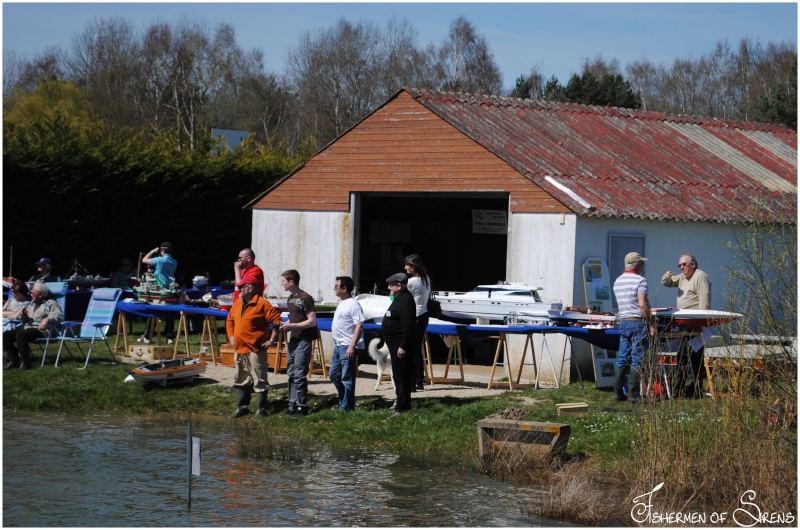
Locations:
column 58, row 292
column 99, row 316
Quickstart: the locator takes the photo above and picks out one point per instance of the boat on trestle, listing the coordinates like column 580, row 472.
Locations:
column 497, row 302
column 167, row 371
column 693, row 318
column 148, row 289
column 582, row 316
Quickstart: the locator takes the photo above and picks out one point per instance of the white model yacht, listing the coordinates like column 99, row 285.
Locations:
column 497, row 302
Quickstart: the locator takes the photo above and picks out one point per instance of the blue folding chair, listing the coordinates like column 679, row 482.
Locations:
column 58, row 292
column 99, row 316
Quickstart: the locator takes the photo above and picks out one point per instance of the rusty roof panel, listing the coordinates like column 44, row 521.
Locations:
column 629, row 163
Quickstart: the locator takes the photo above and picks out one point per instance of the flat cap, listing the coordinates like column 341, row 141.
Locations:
column 399, row 277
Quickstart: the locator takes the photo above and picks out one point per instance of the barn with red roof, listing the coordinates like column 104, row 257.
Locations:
column 489, row 188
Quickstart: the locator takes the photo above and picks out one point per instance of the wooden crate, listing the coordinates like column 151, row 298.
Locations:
column 148, row 352
column 229, row 357
column 573, row 409
column 272, row 353
column 521, row 439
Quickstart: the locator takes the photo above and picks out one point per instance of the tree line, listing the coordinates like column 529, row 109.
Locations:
column 111, row 138
column 178, row 81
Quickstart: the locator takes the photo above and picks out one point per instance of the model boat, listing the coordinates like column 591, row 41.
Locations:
column 583, row 316
column 79, row 278
column 496, row 302
column 150, row 290
column 694, row 318
column 163, row 372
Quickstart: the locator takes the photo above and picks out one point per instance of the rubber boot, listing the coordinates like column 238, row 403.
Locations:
column 633, row 386
column 619, row 382
column 244, row 401
column 261, row 401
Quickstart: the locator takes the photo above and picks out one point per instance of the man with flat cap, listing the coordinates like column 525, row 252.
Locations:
column 399, row 335
column 252, row 327
column 635, row 318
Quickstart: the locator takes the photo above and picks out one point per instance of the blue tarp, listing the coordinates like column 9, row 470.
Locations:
column 602, row 338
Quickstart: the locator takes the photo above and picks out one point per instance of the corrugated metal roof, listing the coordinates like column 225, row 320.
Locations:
column 620, row 163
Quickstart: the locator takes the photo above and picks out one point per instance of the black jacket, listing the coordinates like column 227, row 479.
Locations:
column 399, row 320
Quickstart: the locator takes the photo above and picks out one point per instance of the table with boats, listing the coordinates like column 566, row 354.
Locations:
column 526, row 319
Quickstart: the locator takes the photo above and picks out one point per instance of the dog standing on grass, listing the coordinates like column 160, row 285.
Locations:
column 382, row 358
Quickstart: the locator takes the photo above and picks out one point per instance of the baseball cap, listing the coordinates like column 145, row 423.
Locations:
column 43, row 261
column 633, row 257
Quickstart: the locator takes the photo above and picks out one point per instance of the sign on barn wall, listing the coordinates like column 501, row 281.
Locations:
column 597, row 288
column 489, row 222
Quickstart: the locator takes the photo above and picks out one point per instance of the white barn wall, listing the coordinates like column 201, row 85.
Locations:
column 664, row 243
column 541, row 253
column 317, row 244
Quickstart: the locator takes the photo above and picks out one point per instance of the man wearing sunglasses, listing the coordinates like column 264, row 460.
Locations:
column 694, row 292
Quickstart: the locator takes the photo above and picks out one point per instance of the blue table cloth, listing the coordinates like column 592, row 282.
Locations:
column 602, row 338
column 147, row 310
column 197, row 294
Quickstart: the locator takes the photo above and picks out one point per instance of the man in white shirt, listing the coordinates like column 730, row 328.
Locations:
column 348, row 321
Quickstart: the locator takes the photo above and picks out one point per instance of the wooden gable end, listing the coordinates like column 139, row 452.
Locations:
column 403, row 147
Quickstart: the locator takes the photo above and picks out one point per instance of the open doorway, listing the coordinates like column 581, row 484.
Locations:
column 438, row 227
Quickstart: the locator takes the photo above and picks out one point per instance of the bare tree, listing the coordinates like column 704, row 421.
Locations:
column 153, row 76
column 344, row 72
column 465, row 63
column 645, row 79
column 599, row 67
column 102, row 63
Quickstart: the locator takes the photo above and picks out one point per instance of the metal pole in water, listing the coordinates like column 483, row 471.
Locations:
column 189, row 467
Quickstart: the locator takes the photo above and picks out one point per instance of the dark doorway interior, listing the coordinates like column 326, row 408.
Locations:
column 438, row 227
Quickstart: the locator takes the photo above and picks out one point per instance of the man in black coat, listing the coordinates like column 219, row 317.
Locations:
column 399, row 335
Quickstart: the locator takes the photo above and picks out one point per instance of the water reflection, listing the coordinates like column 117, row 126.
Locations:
column 121, row 471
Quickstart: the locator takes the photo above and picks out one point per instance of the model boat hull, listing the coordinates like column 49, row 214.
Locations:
column 167, row 371
column 87, row 283
column 497, row 302
column 582, row 315
column 694, row 318
column 494, row 309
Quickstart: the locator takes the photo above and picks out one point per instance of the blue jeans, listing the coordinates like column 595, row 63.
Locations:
column 632, row 342
column 343, row 376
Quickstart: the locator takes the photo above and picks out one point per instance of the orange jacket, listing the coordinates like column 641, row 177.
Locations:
column 250, row 325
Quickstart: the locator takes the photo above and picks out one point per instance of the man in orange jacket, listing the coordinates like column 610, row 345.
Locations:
column 252, row 326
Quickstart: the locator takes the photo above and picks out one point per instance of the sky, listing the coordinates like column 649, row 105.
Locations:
column 554, row 37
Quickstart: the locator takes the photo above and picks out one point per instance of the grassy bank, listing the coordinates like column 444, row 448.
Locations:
column 707, row 453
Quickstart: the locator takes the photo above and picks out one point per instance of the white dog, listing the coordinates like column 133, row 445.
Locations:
column 382, row 357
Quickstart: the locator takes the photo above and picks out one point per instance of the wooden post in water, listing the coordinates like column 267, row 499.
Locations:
column 189, row 467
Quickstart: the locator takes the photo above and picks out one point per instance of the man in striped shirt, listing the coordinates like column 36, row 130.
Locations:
column 635, row 318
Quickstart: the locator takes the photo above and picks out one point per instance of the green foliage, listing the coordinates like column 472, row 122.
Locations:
column 779, row 105
column 102, row 195
column 522, row 88
column 610, row 90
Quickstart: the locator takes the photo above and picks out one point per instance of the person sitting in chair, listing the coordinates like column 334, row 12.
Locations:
column 39, row 319
column 44, row 272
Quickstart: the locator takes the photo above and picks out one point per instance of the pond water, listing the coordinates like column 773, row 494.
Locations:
column 106, row 470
